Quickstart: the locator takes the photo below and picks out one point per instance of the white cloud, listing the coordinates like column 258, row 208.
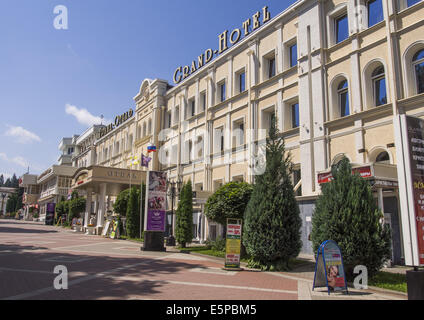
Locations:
column 83, row 116
column 20, row 161
column 22, row 135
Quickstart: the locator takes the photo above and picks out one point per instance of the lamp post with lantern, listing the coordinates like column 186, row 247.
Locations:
column 174, row 189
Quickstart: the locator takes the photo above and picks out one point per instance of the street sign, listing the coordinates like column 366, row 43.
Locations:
column 233, row 244
column 329, row 269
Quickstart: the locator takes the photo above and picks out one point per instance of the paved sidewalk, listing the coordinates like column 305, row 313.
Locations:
column 304, row 274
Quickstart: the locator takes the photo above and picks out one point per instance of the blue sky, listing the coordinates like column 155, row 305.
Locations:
column 96, row 65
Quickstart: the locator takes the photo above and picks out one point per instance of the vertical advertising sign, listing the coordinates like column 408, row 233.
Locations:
column 329, row 270
column 415, row 136
column 156, row 206
column 233, row 244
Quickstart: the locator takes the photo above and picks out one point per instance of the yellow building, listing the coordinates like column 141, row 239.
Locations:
column 332, row 73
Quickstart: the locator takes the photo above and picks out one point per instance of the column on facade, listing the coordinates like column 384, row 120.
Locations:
column 102, row 205
column 88, row 207
column 252, row 80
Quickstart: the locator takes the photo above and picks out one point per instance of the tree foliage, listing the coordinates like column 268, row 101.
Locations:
column 121, row 203
column 229, row 201
column 133, row 213
column 347, row 213
column 184, row 216
column 272, row 225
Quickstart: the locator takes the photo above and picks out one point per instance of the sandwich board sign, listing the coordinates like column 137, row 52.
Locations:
column 329, row 269
column 233, row 244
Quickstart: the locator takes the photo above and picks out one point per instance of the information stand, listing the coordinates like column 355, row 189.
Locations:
column 329, row 269
column 233, row 245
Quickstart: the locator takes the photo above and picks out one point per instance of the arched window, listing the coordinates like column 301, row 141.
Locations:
column 383, row 157
column 418, row 66
column 378, row 79
column 343, row 98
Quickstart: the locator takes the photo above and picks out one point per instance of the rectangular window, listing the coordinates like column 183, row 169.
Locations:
column 295, row 115
column 272, row 119
column 342, row 28
column 293, row 55
column 412, row 2
column 344, row 104
column 222, row 91
column 193, row 107
column 375, row 12
column 271, row 68
column 242, row 82
column 419, row 73
column 203, row 101
column 380, row 91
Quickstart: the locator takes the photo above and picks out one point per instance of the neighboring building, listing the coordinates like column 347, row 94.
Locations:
column 54, row 183
column 31, row 193
column 84, row 154
column 330, row 72
column 4, row 196
column 67, row 147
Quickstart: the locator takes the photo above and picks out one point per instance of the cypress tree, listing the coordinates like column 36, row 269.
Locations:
column 184, row 215
column 347, row 213
column 272, row 221
column 133, row 213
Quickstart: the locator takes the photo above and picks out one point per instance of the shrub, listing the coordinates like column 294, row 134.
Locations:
column 184, row 213
column 347, row 213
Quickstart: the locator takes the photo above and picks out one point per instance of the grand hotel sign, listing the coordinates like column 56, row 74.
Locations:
column 224, row 38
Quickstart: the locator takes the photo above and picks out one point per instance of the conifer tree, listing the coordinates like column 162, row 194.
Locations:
column 133, row 213
column 347, row 213
column 272, row 221
column 184, row 215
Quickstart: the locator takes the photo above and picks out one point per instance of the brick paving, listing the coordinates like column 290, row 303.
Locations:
column 102, row 268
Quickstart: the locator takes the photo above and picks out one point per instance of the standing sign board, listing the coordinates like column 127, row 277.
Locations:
column 50, row 213
column 413, row 213
column 156, row 197
column 233, row 244
column 329, row 270
column 115, row 230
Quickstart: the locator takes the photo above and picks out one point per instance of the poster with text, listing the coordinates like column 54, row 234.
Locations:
column 156, row 206
column 233, row 244
column 416, row 152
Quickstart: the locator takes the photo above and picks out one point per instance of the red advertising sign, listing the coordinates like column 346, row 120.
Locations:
column 364, row 172
column 416, row 152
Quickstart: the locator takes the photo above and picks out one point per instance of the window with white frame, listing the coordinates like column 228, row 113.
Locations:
column 338, row 24
column 269, row 65
column 341, row 28
column 202, row 101
column 378, row 79
column 222, row 91
column 418, row 67
column 177, row 115
column 375, row 12
column 343, row 98
column 238, row 133
column 240, row 81
column 218, row 139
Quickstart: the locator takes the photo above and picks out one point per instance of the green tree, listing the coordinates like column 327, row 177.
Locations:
column 133, row 213
column 1, row 180
column 347, row 213
column 75, row 207
column 272, row 225
column 12, row 203
column 121, row 203
column 8, row 183
column 229, row 201
column 184, row 216
column 61, row 208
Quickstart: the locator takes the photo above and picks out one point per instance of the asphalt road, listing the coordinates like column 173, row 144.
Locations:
column 101, row 268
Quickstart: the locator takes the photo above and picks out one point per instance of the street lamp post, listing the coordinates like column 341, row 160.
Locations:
column 173, row 192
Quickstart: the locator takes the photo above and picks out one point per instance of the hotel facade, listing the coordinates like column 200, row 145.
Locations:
column 331, row 73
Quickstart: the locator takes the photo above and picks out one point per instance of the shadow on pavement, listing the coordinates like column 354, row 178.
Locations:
column 23, row 230
column 90, row 276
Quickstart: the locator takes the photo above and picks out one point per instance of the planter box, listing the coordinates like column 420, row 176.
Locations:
column 90, row 230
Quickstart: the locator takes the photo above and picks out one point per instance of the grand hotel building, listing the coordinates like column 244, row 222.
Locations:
column 332, row 73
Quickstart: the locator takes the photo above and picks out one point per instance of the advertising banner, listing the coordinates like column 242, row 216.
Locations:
column 415, row 129
column 156, row 208
column 233, row 243
column 50, row 209
column 329, row 270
